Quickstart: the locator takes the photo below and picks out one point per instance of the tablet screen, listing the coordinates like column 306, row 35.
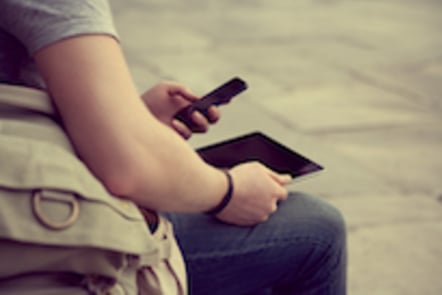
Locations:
column 258, row 147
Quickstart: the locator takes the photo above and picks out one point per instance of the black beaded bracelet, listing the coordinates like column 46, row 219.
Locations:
column 227, row 197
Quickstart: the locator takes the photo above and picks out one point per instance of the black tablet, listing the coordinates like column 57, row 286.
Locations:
column 258, row 147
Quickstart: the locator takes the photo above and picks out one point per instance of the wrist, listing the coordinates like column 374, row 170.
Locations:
column 226, row 198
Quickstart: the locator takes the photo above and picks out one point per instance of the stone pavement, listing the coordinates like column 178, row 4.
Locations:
column 355, row 85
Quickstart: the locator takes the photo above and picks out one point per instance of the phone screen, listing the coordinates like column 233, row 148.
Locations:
column 258, row 147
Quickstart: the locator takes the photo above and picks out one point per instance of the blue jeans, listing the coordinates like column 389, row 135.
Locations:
column 301, row 249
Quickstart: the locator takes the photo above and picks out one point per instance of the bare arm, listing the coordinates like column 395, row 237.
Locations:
column 130, row 151
column 134, row 154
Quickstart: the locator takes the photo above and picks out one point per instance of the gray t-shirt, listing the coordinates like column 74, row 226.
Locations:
column 27, row 26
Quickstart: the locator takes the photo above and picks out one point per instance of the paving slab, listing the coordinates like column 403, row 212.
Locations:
column 393, row 244
column 407, row 157
column 345, row 105
column 396, row 260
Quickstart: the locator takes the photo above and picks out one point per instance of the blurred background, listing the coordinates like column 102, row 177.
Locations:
column 354, row 85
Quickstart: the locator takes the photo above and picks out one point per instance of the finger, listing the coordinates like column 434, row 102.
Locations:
column 282, row 195
column 213, row 114
column 181, row 129
column 279, row 194
column 202, row 125
column 281, row 178
column 284, row 179
column 180, row 101
column 274, row 207
column 181, row 90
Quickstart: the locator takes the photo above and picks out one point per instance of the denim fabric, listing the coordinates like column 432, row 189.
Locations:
column 301, row 249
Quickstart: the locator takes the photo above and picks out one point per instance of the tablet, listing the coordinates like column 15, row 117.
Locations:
column 257, row 146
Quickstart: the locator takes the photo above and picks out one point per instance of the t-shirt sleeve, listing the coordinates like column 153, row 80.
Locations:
column 37, row 24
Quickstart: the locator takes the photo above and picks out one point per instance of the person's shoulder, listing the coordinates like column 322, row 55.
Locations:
column 37, row 24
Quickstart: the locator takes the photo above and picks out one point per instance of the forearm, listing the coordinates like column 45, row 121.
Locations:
column 163, row 172
column 132, row 153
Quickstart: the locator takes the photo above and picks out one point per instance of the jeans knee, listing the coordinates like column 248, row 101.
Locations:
column 335, row 222
column 322, row 221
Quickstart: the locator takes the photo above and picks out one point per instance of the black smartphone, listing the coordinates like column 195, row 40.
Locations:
column 257, row 146
column 221, row 95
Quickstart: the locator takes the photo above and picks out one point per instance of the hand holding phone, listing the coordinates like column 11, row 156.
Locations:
column 221, row 95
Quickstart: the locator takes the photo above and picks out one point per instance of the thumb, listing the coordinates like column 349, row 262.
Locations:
column 183, row 91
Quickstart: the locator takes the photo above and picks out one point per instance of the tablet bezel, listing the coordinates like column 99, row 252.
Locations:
column 304, row 166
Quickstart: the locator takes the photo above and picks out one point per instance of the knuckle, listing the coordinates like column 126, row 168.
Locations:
column 283, row 197
column 280, row 193
column 283, row 194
